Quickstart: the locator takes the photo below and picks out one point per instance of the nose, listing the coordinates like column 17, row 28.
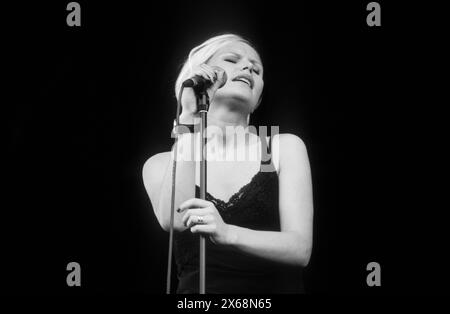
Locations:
column 248, row 66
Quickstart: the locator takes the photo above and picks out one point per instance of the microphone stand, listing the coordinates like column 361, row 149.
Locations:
column 202, row 99
column 203, row 106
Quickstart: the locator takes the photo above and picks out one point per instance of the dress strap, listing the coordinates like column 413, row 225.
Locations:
column 266, row 151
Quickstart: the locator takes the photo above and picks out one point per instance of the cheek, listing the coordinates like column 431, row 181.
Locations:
column 260, row 87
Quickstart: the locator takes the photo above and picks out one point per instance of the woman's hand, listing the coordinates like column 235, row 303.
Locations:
column 189, row 102
column 203, row 217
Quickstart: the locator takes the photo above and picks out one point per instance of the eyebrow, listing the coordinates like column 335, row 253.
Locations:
column 240, row 56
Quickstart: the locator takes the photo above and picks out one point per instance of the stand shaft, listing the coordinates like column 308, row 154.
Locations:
column 204, row 102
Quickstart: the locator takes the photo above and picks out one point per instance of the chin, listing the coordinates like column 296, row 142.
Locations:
column 236, row 96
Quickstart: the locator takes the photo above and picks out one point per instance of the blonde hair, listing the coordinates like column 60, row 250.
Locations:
column 202, row 53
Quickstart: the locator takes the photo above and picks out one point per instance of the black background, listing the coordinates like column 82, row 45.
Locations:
column 87, row 106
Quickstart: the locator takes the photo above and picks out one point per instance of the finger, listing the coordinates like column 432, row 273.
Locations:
column 208, row 75
column 195, row 212
column 204, row 74
column 204, row 229
column 219, row 73
column 191, row 221
column 214, row 73
column 194, row 220
column 193, row 203
column 197, row 220
column 211, row 74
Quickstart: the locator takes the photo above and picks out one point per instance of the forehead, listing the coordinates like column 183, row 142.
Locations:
column 240, row 48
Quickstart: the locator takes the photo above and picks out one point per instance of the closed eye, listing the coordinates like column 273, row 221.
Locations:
column 230, row 60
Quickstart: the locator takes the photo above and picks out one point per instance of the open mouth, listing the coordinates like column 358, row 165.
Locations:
column 244, row 79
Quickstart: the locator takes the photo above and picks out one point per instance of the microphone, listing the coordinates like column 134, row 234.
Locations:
column 200, row 83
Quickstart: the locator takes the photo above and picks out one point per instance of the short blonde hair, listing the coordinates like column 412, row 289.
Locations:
column 202, row 53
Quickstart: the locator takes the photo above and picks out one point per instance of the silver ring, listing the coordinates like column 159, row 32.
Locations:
column 200, row 220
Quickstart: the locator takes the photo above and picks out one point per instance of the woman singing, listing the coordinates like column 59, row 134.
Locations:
column 258, row 214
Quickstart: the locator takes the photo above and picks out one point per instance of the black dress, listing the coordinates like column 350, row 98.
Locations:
column 228, row 271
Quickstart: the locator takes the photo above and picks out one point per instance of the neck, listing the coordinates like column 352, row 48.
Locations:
column 223, row 116
column 226, row 121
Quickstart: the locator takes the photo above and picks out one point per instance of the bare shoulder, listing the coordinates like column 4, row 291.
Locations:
column 153, row 173
column 155, row 166
column 288, row 142
column 288, row 148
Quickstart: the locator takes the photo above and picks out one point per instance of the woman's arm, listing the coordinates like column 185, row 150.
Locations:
column 157, row 171
column 293, row 244
column 157, row 176
column 287, row 247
